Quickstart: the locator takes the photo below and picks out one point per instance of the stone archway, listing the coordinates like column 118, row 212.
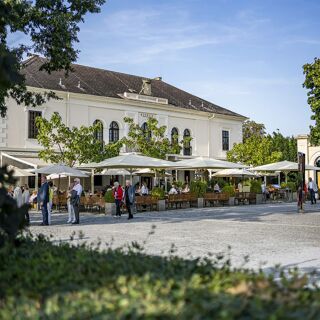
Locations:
column 317, row 173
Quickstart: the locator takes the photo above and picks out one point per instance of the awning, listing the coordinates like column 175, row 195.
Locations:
column 25, row 161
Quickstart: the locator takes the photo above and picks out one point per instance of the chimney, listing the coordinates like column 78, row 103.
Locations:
column 146, row 87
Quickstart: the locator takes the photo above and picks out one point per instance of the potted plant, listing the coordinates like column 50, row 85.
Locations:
column 199, row 188
column 292, row 186
column 110, row 206
column 228, row 189
column 256, row 188
column 246, row 185
column 160, row 195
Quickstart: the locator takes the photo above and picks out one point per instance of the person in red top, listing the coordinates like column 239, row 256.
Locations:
column 118, row 195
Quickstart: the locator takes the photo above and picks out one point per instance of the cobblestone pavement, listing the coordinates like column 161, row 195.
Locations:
column 268, row 234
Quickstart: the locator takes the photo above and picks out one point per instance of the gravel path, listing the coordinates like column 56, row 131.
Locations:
column 268, row 234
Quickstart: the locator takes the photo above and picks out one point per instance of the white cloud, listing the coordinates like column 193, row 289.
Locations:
column 142, row 36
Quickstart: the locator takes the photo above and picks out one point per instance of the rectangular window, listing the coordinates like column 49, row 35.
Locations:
column 225, row 140
column 32, row 128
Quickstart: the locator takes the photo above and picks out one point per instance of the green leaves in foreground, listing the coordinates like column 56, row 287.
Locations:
column 312, row 83
column 39, row 280
column 46, row 27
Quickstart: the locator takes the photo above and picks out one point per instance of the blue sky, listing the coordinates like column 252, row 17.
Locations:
column 244, row 55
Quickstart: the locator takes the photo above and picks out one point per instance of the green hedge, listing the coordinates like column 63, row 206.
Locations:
column 39, row 280
column 158, row 193
column 108, row 196
column 198, row 187
column 255, row 186
column 229, row 190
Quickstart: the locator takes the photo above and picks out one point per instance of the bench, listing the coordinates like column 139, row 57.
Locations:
column 60, row 201
column 212, row 198
column 183, row 200
column 144, row 202
column 245, row 197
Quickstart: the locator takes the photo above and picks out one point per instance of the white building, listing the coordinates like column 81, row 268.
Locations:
column 90, row 94
column 312, row 156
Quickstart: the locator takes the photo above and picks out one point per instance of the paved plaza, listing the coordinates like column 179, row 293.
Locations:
column 269, row 234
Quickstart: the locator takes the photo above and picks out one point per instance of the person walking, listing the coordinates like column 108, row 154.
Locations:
column 50, row 201
column 26, row 200
column 129, row 196
column 43, row 199
column 75, row 199
column 71, row 217
column 312, row 188
column 118, row 195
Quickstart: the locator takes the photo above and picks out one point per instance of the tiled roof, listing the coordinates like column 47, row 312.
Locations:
column 107, row 83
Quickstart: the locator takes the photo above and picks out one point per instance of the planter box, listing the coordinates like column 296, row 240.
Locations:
column 259, row 198
column 110, row 208
column 161, row 205
column 231, row 201
column 200, row 202
column 294, row 197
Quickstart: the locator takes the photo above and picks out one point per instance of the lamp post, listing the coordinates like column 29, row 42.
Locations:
column 301, row 170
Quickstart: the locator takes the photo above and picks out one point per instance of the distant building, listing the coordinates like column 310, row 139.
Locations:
column 89, row 95
column 312, row 156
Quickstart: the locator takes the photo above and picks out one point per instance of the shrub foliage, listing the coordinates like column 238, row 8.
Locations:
column 229, row 190
column 158, row 193
column 108, row 196
column 198, row 187
column 40, row 280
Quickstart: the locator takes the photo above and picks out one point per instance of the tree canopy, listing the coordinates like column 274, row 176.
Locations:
column 71, row 146
column 254, row 151
column 51, row 29
column 260, row 148
column 251, row 128
column 150, row 139
column 312, row 83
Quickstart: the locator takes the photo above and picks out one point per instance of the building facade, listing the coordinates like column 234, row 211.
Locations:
column 312, row 156
column 89, row 95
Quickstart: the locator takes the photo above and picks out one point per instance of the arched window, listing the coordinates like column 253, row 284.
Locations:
column 146, row 131
column 113, row 132
column 174, row 136
column 187, row 150
column 98, row 134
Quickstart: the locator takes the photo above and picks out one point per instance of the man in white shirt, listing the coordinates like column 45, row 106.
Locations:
column 75, row 199
column 312, row 190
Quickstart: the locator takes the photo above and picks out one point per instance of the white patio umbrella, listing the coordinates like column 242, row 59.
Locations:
column 17, row 172
column 113, row 172
column 61, row 170
column 207, row 163
column 283, row 166
column 53, row 176
column 149, row 172
column 235, row 173
column 132, row 161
